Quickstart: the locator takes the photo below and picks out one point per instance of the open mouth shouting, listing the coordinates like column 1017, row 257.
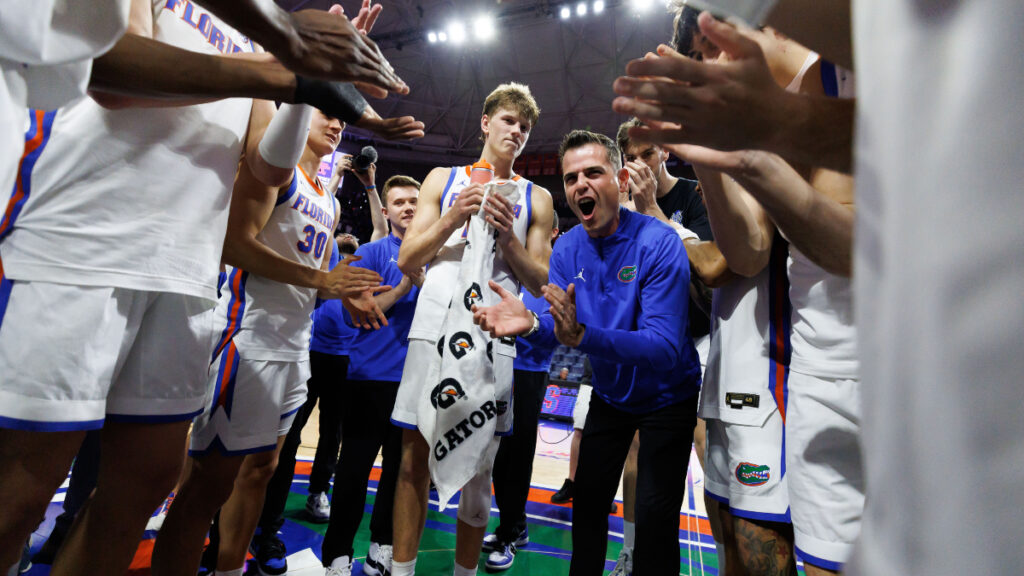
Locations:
column 586, row 206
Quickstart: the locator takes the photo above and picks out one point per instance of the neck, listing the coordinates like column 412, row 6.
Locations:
column 502, row 164
column 665, row 181
column 397, row 231
column 608, row 228
column 309, row 161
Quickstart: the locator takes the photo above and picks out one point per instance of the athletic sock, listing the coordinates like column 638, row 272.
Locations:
column 459, row 571
column 403, row 568
column 237, row 572
column 628, row 534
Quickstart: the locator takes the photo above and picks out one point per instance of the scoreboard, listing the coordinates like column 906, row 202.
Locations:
column 559, row 400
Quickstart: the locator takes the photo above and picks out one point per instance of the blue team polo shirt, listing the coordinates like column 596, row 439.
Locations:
column 331, row 335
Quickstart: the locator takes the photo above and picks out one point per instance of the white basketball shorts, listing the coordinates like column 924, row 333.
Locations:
column 582, row 407
column 73, row 356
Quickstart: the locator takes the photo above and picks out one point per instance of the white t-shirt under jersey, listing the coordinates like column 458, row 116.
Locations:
column 443, row 272
column 271, row 320
column 939, row 271
column 136, row 198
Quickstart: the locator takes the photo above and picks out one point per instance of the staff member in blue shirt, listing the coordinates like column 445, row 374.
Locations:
column 618, row 292
column 376, row 359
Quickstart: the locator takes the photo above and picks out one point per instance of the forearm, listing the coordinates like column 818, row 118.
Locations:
column 380, row 223
column 815, row 130
column 140, row 72
column 385, row 300
column 708, row 263
column 261, row 20
column 647, row 348
column 419, row 249
column 815, row 224
column 736, row 225
column 530, row 273
column 257, row 258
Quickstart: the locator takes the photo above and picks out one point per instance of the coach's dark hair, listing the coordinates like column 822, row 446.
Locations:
column 579, row 138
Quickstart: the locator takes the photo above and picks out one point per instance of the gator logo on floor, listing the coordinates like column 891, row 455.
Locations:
column 460, row 344
column 473, row 296
column 627, row 274
column 446, row 393
column 752, row 474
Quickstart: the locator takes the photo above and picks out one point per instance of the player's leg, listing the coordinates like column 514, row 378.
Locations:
column 474, row 512
column 240, row 514
column 411, row 493
column 666, row 437
column 131, row 486
column 606, row 439
column 700, row 438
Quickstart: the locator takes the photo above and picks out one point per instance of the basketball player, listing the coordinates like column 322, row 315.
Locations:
column 374, row 373
column 629, row 316
column 130, row 277
column 820, row 409
column 447, row 201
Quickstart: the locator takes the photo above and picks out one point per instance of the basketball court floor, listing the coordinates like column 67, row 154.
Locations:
column 549, row 524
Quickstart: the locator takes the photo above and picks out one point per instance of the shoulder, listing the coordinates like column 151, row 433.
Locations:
column 654, row 235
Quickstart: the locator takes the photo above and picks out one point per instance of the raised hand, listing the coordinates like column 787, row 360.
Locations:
column 364, row 310
column 506, row 318
column 644, row 186
column 401, row 128
column 563, row 310
column 467, row 204
column 346, row 281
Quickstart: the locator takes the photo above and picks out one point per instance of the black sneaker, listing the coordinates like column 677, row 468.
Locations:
column 270, row 555
column 564, row 494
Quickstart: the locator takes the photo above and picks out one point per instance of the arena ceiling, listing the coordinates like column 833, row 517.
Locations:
column 569, row 64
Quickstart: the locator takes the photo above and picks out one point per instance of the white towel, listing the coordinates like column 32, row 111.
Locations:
column 460, row 416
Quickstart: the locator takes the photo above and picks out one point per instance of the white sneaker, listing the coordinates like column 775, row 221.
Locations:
column 378, row 560
column 318, row 505
column 341, row 566
column 624, row 566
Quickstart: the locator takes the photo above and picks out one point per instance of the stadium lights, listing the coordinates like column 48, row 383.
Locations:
column 598, row 6
column 442, row 37
column 483, row 27
column 581, row 9
column 642, row 5
column 564, row 13
column 432, row 37
column 456, row 32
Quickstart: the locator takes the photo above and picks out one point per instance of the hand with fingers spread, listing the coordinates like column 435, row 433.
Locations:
column 498, row 213
column 364, row 310
column 643, row 185
column 401, row 128
column 728, row 104
column 736, row 163
column 563, row 310
column 506, row 318
column 346, row 281
column 334, row 48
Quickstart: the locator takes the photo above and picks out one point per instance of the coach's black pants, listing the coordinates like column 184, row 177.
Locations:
column 368, row 428
column 327, row 383
column 666, row 435
column 513, row 466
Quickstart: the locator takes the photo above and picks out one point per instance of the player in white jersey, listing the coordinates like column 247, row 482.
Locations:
column 447, row 200
column 278, row 244
column 120, row 221
column 822, row 408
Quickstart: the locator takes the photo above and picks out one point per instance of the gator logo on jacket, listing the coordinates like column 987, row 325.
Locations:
column 627, row 274
column 446, row 393
column 460, row 344
column 752, row 474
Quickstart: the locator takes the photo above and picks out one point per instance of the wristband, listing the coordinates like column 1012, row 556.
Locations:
column 371, row 187
column 684, row 232
column 535, row 327
column 340, row 100
column 285, row 139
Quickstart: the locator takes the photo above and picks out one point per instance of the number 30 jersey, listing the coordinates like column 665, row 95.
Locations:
column 268, row 320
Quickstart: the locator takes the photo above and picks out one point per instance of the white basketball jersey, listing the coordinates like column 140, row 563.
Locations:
column 443, row 272
column 270, row 320
column 135, row 198
column 747, row 373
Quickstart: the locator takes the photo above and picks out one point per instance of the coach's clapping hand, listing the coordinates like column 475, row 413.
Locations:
column 563, row 310
column 506, row 318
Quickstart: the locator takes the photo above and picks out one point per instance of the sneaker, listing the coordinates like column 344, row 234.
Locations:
column 270, row 555
column 342, row 566
column 491, row 543
column 502, row 558
column 624, row 566
column 156, row 522
column 564, row 494
column 318, row 506
column 378, row 560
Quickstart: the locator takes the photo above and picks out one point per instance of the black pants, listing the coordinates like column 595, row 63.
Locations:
column 666, row 435
column 84, row 473
column 513, row 466
column 327, row 383
column 368, row 428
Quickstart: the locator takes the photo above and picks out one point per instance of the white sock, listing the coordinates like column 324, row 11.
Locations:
column 237, row 572
column 720, row 550
column 403, row 568
column 459, row 571
column 628, row 534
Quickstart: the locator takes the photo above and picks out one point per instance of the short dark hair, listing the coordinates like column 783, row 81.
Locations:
column 397, row 180
column 622, row 137
column 580, row 138
column 684, row 26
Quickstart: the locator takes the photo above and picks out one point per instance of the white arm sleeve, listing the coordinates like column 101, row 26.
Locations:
column 285, row 138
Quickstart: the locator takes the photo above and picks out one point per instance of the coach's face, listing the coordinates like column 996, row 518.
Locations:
column 592, row 188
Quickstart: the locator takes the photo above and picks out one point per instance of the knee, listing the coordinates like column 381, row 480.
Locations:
column 258, row 469
column 475, row 501
column 413, row 469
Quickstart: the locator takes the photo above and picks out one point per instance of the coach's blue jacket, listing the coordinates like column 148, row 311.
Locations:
column 632, row 294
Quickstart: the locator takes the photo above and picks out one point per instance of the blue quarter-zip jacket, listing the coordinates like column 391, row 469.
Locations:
column 380, row 354
column 529, row 355
column 632, row 297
